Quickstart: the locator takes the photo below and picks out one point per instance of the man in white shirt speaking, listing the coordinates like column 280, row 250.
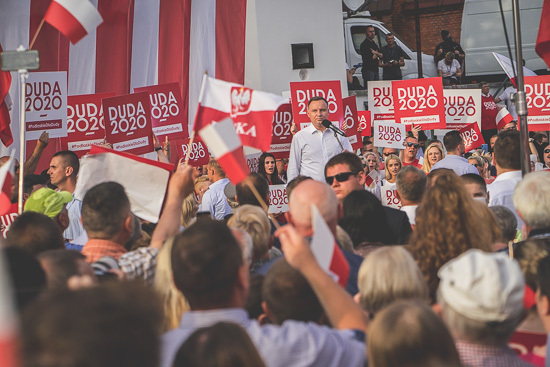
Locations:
column 313, row 146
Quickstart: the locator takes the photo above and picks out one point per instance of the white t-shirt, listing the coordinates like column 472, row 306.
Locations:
column 448, row 70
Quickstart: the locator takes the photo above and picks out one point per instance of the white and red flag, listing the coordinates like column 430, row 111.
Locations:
column 543, row 38
column 371, row 177
column 74, row 18
column 6, row 181
column 503, row 117
column 224, row 144
column 326, row 250
column 5, row 130
column 251, row 111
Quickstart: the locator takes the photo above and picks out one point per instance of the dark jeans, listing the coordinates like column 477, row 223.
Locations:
column 369, row 75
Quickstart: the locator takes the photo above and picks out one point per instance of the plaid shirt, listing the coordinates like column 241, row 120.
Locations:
column 139, row 264
column 95, row 249
column 474, row 355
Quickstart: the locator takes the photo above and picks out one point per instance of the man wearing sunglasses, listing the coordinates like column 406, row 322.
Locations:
column 411, row 150
column 313, row 146
column 546, row 156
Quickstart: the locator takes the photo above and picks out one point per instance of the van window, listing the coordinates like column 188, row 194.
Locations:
column 358, row 36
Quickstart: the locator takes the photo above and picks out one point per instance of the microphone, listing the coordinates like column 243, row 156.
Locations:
column 329, row 125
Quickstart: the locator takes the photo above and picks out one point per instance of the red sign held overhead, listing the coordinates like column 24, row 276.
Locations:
column 282, row 137
column 419, row 102
column 537, row 90
column 471, row 135
column 85, row 122
column 350, row 122
column 167, row 114
column 302, row 92
column 199, row 155
column 365, row 122
column 128, row 123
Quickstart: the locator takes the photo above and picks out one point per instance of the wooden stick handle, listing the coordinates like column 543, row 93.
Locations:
column 36, row 33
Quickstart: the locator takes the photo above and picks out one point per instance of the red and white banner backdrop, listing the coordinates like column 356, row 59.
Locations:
column 7, row 219
column 380, row 98
column 350, row 122
column 278, row 200
column 365, row 122
column 302, row 92
column 282, row 137
column 128, row 123
column 472, row 136
column 419, row 102
column 537, row 89
column 462, row 107
column 199, row 152
column 45, row 105
column 139, row 43
column 85, row 122
column 167, row 115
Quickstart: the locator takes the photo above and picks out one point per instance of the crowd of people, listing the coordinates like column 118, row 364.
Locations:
column 445, row 278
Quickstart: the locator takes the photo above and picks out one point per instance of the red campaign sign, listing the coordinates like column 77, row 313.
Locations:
column 419, row 102
column 350, row 122
column 472, row 136
column 365, row 122
column 128, row 123
column 537, row 90
column 199, row 152
column 85, row 122
column 166, row 110
column 302, row 92
column 282, row 137
column 7, row 219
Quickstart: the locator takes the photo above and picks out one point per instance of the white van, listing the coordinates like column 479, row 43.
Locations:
column 354, row 35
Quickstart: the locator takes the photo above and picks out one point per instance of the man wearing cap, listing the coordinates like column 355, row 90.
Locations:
column 52, row 204
column 481, row 299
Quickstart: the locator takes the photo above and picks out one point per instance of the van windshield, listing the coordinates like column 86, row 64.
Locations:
column 358, row 36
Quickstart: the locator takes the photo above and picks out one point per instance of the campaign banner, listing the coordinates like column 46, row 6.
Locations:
column 537, row 90
column 388, row 194
column 389, row 135
column 471, row 135
column 462, row 107
column 365, row 121
column 302, row 92
column 7, row 219
column 350, row 123
column 85, row 122
column 46, row 104
column 419, row 102
column 278, row 199
column 128, row 123
column 252, row 160
column 199, row 155
column 380, row 99
column 167, row 115
column 282, row 137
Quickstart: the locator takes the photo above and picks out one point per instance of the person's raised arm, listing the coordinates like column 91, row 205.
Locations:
column 32, row 162
column 342, row 311
column 179, row 187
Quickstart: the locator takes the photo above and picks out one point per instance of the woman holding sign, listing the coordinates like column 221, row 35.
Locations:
column 434, row 153
column 388, row 191
column 268, row 168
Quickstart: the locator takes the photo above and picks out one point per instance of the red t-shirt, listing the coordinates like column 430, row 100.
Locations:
column 488, row 112
column 415, row 163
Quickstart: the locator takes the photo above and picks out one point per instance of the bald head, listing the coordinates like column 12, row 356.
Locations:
column 317, row 193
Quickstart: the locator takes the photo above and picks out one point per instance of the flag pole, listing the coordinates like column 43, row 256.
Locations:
column 36, row 33
column 23, row 74
column 262, row 203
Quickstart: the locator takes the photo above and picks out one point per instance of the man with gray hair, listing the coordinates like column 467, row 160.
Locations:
column 411, row 185
column 532, row 202
column 481, row 298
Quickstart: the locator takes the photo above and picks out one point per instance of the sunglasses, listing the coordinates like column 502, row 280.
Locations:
column 409, row 144
column 341, row 177
column 476, row 164
column 546, row 151
column 387, row 154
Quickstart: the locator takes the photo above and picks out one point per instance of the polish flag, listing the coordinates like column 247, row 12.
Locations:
column 6, row 181
column 326, row 250
column 371, row 177
column 503, row 117
column 8, row 326
column 543, row 39
column 145, row 181
column 5, row 130
column 251, row 111
column 74, row 18
column 224, row 144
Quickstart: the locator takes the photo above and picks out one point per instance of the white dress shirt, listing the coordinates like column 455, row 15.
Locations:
column 311, row 149
column 214, row 200
column 501, row 191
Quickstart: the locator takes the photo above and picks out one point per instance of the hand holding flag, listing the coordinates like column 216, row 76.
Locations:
column 6, row 181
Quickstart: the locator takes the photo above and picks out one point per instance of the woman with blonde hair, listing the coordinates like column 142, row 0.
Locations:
column 387, row 185
column 434, row 153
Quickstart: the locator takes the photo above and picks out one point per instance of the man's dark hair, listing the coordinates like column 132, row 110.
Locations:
column 351, row 160
column 474, row 178
column 543, row 276
column 205, row 260
column 291, row 185
column 369, row 26
column 253, row 303
column 115, row 324
column 507, row 222
column 411, row 183
column 70, row 159
column 316, row 98
column 30, row 180
column 289, row 296
column 35, row 233
column 507, row 150
column 27, row 277
column 105, row 207
column 539, row 137
column 61, row 265
column 245, row 194
column 452, row 140
column 482, row 83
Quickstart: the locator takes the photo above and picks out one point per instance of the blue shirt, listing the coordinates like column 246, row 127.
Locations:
column 214, row 200
column 458, row 164
column 75, row 227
